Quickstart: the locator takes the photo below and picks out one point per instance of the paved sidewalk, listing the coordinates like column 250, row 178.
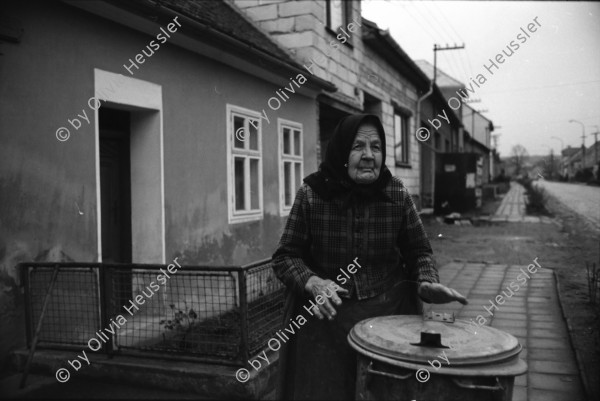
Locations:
column 512, row 208
column 532, row 314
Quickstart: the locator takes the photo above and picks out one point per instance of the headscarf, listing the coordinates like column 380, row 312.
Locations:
column 332, row 179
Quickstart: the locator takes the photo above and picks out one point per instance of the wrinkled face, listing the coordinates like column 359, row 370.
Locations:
column 364, row 162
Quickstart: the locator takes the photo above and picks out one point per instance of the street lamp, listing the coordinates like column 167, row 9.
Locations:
column 562, row 144
column 582, row 141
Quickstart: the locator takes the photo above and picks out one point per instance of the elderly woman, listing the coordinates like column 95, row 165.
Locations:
column 353, row 247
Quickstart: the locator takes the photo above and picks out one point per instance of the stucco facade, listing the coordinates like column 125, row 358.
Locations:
column 179, row 103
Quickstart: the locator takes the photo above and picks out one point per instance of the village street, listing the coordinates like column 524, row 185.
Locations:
column 547, row 315
column 262, row 146
column 582, row 199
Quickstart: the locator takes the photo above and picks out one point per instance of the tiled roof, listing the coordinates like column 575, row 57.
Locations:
column 382, row 42
column 224, row 18
column 442, row 79
column 224, row 27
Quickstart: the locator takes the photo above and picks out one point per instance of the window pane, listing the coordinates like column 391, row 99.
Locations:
column 336, row 12
column 398, row 144
column 239, row 132
column 298, row 175
column 405, row 144
column 287, row 183
column 286, row 142
column 253, row 137
column 239, row 183
column 254, row 184
column 297, row 146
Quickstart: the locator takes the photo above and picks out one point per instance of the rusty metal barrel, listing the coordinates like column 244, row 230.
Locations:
column 434, row 357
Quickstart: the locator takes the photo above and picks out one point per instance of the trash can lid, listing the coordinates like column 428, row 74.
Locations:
column 417, row 341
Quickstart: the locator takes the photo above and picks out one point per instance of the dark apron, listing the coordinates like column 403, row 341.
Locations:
column 317, row 363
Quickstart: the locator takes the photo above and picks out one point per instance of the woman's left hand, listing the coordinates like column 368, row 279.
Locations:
column 439, row 294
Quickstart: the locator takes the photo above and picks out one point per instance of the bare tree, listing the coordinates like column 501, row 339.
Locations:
column 519, row 154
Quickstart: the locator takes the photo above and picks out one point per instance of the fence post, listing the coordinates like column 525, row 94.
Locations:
column 106, row 295
column 39, row 327
column 24, row 271
column 244, row 349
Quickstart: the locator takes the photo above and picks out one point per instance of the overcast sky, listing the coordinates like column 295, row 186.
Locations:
column 553, row 77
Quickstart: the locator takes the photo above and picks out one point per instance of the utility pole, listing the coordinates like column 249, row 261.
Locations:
column 595, row 144
column 437, row 48
column 582, row 142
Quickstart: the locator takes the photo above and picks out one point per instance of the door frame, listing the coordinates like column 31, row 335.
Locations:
column 144, row 100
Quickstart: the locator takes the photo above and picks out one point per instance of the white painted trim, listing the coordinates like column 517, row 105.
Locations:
column 141, row 23
column 242, row 217
column 97, row 175
column 130, row 94
column 162, row 187
column 281, row 123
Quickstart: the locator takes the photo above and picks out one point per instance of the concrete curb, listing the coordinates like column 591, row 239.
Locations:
column 580, row 365
column 206, row 380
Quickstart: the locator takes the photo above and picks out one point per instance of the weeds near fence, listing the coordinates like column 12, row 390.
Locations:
column 536, row 199
column 181, row 322
column 593, row 277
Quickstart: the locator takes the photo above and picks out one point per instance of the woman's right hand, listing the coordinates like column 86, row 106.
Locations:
column 324, row 292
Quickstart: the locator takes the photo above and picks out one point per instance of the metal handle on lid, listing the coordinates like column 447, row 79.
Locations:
column 497, row 387
column 439, row 317
column 386, row 374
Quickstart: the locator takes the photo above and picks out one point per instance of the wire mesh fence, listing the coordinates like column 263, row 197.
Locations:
column 73, row 312
column 216, row 314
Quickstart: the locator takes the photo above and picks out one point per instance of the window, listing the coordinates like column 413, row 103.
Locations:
column 401, row 144
column 339, row 13
column 244, row 165
column 336, row 14
column 291, row 165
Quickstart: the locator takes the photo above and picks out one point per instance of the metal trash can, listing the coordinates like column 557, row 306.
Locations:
column 434, row 357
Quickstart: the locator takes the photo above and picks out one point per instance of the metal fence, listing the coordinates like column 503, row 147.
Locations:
column 214, row 314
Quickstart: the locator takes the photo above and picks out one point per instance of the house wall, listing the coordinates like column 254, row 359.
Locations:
column 477, row 125
column 381, row 80
column 48, row 207
column 55, row 175
column 300, row 27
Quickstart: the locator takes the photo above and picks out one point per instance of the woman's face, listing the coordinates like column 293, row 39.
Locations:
column 364, row 162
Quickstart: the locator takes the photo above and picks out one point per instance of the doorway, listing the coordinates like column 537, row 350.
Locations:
column 115, row 185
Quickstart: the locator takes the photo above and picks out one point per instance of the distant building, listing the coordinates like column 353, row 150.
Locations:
column 571, row 162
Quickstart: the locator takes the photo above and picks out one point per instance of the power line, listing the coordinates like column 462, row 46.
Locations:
column 541, row 87
column 547, row 122
column 460, row 62
column 417, row 9
column 407, row 9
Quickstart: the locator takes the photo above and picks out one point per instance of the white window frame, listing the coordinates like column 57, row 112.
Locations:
column 284, row 210
column 337, row 6
column 404, row 137
column 235, row 216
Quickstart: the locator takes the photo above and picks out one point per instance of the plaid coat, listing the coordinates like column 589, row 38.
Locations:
column 382, row 241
